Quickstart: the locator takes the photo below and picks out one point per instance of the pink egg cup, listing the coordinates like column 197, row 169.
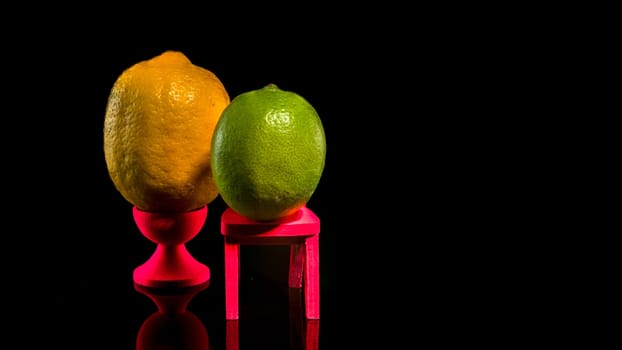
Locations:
column 171, row 265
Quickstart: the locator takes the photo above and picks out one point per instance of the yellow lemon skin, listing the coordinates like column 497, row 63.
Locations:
column 268, row 153
column 159, row 122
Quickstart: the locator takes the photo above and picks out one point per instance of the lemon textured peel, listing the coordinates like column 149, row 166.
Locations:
column 159, row 121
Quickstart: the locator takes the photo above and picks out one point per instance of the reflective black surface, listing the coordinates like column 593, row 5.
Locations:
column 93, row 301
column 80, row 237
column 176, row 325
column 379, row 201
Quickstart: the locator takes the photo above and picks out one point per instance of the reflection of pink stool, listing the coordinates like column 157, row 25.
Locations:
column 300, row 231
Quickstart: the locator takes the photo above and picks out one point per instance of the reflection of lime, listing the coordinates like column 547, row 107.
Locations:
column 268, row 153
column 159, row 122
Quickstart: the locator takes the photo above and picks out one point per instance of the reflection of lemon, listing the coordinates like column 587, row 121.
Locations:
column 268, row 153
column 158, row 127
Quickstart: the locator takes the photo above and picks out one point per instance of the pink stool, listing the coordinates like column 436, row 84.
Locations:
column 300, row 231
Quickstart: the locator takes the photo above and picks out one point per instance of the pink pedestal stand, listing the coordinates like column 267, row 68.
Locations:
column 300, row 231
column 171, row 265
column 172, row 326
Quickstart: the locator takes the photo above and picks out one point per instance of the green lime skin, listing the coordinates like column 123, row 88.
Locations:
column 268, row 153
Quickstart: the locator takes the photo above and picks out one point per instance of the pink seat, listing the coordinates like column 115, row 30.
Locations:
column 300, row 231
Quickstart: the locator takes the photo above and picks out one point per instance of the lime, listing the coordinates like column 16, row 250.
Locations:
column 268, row 153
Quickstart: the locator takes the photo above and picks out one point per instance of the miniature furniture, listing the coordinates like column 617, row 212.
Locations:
column 300, row 231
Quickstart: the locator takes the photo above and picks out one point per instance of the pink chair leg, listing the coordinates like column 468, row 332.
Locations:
column 296, row 265
column 312, row 277
column 232, row 279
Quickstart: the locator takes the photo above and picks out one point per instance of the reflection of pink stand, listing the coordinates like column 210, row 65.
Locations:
column 171, row 265
column 307, row 338
column 304, row 334
column 172, row 326
column 300, row 231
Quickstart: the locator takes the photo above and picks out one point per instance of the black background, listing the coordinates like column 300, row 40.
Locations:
column 403, row 201
column 78, row 240
column 94, row 246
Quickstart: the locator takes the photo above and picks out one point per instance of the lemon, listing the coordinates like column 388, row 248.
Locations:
column 268, row 153
column 159, row 121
